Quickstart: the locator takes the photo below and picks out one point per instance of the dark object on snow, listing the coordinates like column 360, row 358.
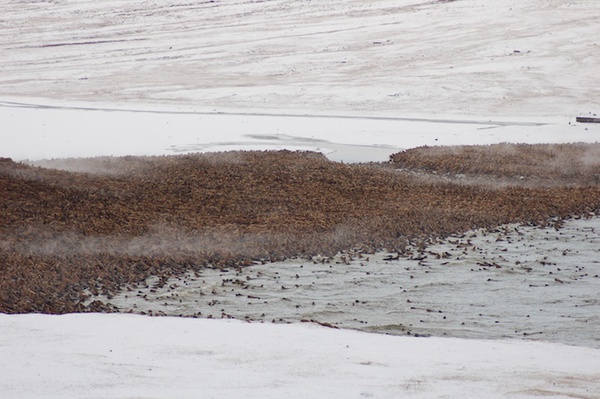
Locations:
column 587, row 119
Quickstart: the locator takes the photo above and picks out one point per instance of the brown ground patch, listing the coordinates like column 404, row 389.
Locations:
column 65, row 233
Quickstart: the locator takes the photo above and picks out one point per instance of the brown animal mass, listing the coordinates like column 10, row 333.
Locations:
column 67, row 236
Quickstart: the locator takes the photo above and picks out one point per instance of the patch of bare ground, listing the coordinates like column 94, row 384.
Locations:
column 66, row 236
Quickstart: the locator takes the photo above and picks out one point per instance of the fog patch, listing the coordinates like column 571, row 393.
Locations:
column 111, row 166
column 161, row 241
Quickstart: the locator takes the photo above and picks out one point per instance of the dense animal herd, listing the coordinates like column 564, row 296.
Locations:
column 542, row 164
column 109, row 223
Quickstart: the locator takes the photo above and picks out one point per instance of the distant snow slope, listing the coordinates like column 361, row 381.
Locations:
column 392, row 57
column 126, row 356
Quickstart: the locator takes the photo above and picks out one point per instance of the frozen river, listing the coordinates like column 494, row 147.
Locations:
column 513, row 282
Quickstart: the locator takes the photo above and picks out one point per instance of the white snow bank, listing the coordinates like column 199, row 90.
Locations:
column 127, row 356
column 44, row 130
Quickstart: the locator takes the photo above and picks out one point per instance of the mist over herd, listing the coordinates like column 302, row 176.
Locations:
column 68, row 234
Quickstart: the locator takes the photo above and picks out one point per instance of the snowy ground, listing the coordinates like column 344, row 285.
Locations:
column 83, row 130
column 211, row 72
column 357, row 80
column 126, row 356
column 388, row 57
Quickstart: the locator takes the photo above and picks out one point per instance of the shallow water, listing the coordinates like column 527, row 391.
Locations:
column 515, row 282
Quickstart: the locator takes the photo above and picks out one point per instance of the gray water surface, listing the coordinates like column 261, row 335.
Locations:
column 515, row 282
